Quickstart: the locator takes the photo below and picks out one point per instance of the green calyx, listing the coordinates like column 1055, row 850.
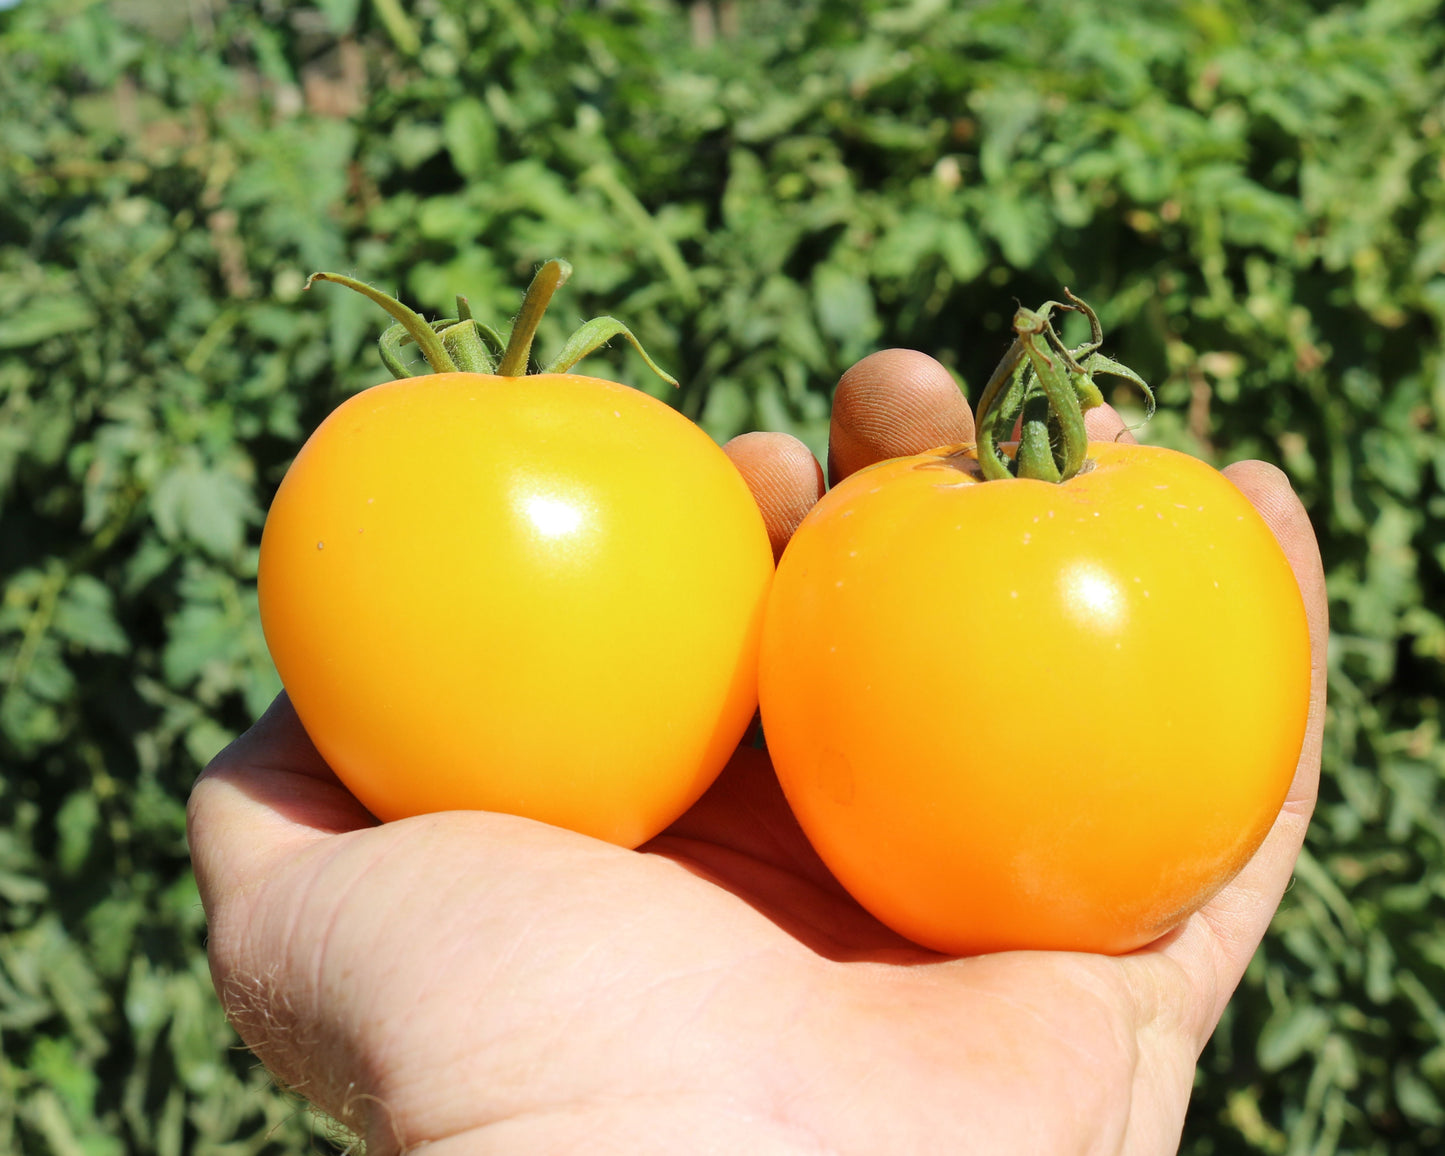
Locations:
column 463, row 344
column 1043, row 387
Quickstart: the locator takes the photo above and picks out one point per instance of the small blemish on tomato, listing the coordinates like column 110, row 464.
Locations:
column 960, row 461
column 321, row 545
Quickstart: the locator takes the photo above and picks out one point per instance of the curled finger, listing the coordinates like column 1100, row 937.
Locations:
column 891, row 404
column 784, row 477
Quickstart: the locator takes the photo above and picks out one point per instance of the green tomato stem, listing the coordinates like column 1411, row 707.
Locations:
column 1042, row 387
column 462, row 343
column 1062, row 404
column 1002, row 397
column 550, row 277
column 414, row 323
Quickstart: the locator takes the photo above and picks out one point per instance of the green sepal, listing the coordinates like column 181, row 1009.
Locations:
column 548, row 279
column 1045, row 387
column 1098, row 363
column 1003, row 400
column 467, row 348
column 1035, row 456
column 413, row 322
column 592, row 336
column 389, row 344
column 1088, row 394
column 462, row 343
column 1062, row 404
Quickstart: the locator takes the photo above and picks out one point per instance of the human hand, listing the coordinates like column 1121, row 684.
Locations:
column 486, row 983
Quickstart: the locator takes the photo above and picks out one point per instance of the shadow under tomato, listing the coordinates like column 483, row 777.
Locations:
column 741, row 836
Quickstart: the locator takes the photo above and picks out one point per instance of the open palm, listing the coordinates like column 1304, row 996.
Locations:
column 484, row 983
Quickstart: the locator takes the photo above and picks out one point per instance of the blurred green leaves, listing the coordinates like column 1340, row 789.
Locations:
column 1253, row 196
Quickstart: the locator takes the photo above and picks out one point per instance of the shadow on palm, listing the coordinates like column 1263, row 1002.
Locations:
column 739, row 837
column 742, row 837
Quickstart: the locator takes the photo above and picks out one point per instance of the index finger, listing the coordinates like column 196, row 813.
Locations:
column 899, row 402
column 894, row 403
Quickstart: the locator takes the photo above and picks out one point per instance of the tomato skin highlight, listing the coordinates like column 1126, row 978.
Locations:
column 537, row 595
column 1016, row 714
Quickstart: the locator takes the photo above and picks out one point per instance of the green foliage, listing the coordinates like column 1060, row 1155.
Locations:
column 1253, row 196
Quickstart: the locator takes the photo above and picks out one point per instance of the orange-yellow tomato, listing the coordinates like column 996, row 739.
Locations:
column 1014, row 714
column 536, row 595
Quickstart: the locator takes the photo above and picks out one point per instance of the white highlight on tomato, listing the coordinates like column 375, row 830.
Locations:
column 1093, row 596
column 552, row 517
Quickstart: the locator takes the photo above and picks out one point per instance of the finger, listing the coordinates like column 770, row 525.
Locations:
column 1269, row 491
column 784, row 476
column 261, row 800
column 1216, row 945
column 277, row 741
column 894, row 403
column 1104, row 424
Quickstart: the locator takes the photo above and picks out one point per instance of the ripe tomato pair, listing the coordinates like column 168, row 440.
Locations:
column 1054, row 710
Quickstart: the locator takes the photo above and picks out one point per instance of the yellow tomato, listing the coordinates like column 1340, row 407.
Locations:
column 1018, row 714
column 540, row 595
